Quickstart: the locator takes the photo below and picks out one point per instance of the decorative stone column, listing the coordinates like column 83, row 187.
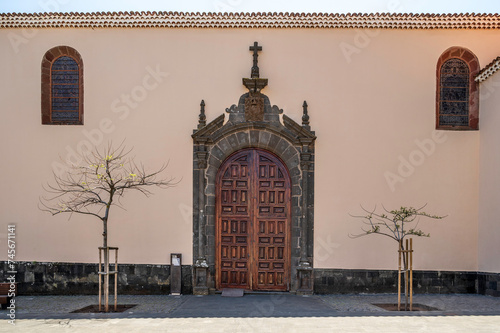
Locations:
column 200, row 266
column 305, row 267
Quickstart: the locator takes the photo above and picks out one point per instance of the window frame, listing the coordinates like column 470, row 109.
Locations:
column 472, row 62
column 48, row 60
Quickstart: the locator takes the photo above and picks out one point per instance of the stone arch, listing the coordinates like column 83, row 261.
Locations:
column 243, row 139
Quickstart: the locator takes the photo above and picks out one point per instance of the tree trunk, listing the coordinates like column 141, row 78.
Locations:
column 405, row 275
column 105, row 245
column 403, row 254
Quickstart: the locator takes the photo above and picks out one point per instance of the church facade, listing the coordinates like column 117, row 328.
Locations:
column 278, row 128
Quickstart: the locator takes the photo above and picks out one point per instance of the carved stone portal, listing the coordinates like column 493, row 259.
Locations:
column 253, row 123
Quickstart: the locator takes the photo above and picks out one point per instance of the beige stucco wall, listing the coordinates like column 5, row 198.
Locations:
column 489, row 181
column 371, row 98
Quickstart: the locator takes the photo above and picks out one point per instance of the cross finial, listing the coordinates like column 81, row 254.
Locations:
column 255, row 68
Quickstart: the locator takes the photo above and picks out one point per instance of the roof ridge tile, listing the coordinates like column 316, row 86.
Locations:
column 488, row 70
column 382, row 20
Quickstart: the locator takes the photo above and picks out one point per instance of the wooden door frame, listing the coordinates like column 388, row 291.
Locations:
column 253, row 225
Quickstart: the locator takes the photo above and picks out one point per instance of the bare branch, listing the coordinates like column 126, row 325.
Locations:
column 98, row 184
column 392, row 223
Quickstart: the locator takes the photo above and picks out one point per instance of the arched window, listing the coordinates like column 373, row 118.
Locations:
column 62, row 86
column 457, row 101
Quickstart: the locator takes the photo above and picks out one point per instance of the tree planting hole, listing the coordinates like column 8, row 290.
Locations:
column 95, row 308
column 416, row 307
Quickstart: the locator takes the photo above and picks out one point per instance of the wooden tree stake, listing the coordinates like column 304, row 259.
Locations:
column 104, row 271
column 407, row 257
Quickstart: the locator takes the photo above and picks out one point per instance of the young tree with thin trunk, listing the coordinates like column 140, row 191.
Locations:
column 98, row 185
column 395, row 225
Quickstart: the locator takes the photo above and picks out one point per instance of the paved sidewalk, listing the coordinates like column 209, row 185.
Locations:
column 257, row 313
column 251, row 305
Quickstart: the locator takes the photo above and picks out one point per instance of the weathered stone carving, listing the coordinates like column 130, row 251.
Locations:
column 254, row 107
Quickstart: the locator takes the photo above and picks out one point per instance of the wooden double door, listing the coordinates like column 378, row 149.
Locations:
column 253, row 222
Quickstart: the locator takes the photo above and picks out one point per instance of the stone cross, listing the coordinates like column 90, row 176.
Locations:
column 255, row 69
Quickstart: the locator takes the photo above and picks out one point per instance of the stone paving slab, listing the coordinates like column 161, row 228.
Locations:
column 285, row 305
column 464, row 303
column 50, row 305
column 252, row 306
column 257, row 313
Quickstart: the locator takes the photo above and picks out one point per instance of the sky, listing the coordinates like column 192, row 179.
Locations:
column 307, row 6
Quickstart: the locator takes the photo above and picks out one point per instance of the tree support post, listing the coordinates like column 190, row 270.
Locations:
column 406, row 256
column 103, row 271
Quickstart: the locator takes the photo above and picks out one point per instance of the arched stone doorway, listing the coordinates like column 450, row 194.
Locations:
column 253, row 124
column 253, row 221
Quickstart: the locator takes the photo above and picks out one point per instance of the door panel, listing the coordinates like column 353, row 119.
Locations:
column 234, row 224
column 271, row 215
column 253, row 222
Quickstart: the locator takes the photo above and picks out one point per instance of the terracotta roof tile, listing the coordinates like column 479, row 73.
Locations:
column 249, row 20
column 489, row 70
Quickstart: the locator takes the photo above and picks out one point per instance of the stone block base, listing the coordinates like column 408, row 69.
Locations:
column 50, row 278
column 54, row 278
column 489, row 284
column 346, row 281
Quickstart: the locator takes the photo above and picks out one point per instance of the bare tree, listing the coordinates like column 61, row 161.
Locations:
column 99, row 184
column 395, row 224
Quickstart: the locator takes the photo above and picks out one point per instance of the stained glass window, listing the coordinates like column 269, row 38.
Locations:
column 65, row 90
column 62, row 86
column 454, row 93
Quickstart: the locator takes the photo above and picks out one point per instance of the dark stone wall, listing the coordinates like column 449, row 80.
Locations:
column 347, row 281
column 51, row 278
column 489, row 284
column 48, row 278
column 340, row 281
column 445, row 282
